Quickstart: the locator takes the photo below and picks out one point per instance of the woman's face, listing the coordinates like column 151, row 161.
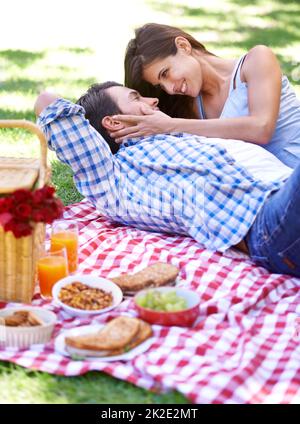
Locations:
column 178, row 74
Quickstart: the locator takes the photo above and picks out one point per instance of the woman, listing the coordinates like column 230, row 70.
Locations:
column 251, row 96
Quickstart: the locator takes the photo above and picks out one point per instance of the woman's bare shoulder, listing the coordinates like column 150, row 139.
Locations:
column 259, row 59
column 259, row 53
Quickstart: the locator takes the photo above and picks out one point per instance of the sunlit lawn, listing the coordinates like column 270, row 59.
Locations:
column 228, row 28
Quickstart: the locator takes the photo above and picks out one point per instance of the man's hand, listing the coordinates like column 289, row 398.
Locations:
column 43, row 100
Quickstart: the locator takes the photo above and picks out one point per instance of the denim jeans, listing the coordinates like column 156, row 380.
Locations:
column 274, row 238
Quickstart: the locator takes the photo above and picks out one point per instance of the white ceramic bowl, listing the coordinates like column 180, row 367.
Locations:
column 92, row 281
column 23, row 337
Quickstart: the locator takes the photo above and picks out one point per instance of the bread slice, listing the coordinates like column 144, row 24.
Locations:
column 144, row 332
column 115, row 335
column 34, row 320
column 86, row 353
column 23, row 319
column 155, row 275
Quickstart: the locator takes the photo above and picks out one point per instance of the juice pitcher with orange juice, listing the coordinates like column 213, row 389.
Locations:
column 65, row 234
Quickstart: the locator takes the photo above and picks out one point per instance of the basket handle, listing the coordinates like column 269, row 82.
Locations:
column 30, row 126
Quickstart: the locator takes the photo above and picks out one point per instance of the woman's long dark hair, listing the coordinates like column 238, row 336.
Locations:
column 152, row 42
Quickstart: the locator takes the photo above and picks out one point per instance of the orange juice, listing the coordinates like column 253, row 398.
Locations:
column 50, row 270
column 69, row 240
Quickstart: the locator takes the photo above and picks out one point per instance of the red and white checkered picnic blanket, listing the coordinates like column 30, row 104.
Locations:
column 244, row 347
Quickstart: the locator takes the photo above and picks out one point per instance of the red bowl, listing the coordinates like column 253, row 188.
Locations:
column 184, row 318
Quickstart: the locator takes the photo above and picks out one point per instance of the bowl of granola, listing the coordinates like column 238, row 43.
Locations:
column 86, row 295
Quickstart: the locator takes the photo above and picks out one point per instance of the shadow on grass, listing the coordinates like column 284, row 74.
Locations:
column 77, row 50
column 19, row 89
column 26, row 85
column 262, row 2
column 14, row 62
column 14, row 114
column 186, row 11
column 21, row 58
column 24, row 58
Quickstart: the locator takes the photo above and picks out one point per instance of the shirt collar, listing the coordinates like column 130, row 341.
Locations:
column 133, row 141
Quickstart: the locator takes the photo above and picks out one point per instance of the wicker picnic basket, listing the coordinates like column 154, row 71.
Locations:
column 18, row 255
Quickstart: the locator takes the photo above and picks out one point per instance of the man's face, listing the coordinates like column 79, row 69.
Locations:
column 130, row 102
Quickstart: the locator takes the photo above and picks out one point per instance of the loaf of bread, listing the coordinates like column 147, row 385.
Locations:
column 155, row 275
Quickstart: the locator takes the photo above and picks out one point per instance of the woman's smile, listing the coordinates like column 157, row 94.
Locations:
column 180, row 88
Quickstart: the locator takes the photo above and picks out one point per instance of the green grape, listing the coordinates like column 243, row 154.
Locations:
column 142, row 301
column 170, row 307
column 162, row 301
column 181, row 303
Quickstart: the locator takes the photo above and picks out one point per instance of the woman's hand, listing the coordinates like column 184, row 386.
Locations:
column 152, row 122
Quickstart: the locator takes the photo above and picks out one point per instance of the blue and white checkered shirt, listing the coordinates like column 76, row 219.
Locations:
column 174, row 183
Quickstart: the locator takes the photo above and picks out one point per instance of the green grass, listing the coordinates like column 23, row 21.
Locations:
column 62, row 179
column 20, row 385
column 226, row 27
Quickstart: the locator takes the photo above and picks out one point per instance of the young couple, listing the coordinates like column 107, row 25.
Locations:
column 221, row 191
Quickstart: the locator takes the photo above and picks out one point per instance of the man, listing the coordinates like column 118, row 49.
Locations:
column 220, row 192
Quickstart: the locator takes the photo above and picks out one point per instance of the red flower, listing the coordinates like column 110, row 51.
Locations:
column 48, row 192
column 42, row 194
column 6, row 204
column 4, row 218
column 55, row 207
column 37, row 216
column 19, row 229
column 47, row 215
column 22, row 195
column 37, row 197
column 23, row 210
column 22, row 229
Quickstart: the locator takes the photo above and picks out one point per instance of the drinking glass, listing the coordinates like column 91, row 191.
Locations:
column 65, row 234
column 51, row 267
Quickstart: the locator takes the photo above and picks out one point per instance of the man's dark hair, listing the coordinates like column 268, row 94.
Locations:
column 97, row 104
